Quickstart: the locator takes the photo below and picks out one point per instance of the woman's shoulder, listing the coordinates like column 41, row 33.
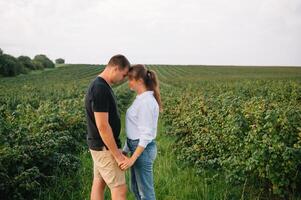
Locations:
column 150, row 101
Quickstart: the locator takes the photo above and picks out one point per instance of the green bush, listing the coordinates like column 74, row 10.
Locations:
column 252, row 136
column 38, row 65
column 9, row 66
column 42, row 143
column 44, row 60
column 26, row 62
column 60, row 61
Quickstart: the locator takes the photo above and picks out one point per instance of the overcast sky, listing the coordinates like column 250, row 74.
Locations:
column 240, row 32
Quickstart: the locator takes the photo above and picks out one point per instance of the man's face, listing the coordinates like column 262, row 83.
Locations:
column 120, row 75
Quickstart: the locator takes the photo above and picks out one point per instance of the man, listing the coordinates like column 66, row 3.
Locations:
column 103, row 123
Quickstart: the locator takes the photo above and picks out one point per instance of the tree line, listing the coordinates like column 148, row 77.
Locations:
column 12, row 66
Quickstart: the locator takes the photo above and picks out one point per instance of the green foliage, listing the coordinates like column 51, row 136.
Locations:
column 43, row 142
column 60, row 61
column 26, row 62
column 43, row 128
column 44, row 60
column 248, row 129
column 37, row 65
column 241, row 123
column 124, row 97
column 9, row 66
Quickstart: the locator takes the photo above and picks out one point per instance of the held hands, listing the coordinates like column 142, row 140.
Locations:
column 120, row 158
column 124, row 162
column 127, row 163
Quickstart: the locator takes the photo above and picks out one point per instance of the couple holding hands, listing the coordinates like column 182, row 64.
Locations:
column 103, row 123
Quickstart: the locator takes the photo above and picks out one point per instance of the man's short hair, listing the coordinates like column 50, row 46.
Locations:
column 120, row 60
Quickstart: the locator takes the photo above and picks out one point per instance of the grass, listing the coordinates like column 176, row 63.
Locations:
column 173, row 180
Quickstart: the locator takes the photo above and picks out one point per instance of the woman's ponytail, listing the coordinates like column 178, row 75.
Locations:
column 152, row 83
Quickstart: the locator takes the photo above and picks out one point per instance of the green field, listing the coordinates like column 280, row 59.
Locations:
column 225, row 133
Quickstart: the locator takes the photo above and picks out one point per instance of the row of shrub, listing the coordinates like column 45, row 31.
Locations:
column 249, row 130
column 42, row 130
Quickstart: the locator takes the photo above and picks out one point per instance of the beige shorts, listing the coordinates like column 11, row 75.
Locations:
column 106, row 168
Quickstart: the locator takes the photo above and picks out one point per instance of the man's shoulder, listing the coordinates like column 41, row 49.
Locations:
column 98, row 84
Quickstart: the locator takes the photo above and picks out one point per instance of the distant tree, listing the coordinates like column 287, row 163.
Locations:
column 44, row 60
column 1, row 52
column 38, row 65
column 10, row 66
column 26, row 62
column 60, row 61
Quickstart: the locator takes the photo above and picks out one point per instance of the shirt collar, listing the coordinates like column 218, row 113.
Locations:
column 144, row 94
column 105, row 81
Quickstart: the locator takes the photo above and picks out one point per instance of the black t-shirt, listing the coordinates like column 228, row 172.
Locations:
column 100, row 98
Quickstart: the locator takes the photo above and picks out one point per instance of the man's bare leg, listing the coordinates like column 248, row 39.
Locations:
column 119, row 192
column 98, row 188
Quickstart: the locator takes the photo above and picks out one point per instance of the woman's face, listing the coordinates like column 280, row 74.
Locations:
column 134, row 84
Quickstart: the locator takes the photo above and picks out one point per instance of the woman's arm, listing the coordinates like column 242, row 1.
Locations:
column 129, row 162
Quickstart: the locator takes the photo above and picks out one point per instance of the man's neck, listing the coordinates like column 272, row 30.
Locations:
column 106, row 77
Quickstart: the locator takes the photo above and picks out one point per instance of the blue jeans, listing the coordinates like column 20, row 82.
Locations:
column 142, row 179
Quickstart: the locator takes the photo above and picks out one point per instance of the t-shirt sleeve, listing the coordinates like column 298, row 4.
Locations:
column 100, row 99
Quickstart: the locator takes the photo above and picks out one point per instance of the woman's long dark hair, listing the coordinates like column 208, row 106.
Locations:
column 149, row 78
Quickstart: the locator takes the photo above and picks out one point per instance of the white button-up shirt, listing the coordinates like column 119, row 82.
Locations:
column 142, row 119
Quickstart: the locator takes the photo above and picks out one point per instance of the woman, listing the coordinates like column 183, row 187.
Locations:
column 141, row 129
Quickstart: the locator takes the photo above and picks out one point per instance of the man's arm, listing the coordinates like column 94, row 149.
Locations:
column 106, row 134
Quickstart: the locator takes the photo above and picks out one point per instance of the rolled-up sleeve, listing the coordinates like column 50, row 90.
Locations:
column 145, row 123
